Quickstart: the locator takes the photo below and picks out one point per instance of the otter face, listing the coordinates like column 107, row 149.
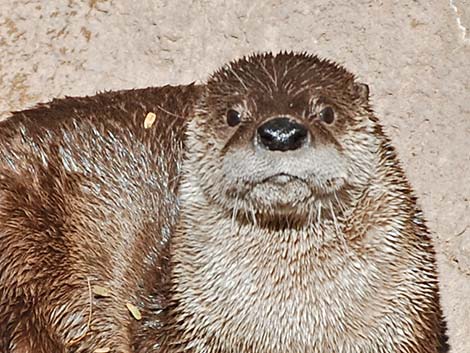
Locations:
column 282, row 135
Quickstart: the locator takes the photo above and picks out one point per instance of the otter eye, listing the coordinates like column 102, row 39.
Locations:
column 327, row 115
column 233, row 117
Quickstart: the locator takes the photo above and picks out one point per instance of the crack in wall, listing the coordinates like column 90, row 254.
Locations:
column 461, row 17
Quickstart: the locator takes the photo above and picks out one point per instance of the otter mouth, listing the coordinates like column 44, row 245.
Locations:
column 284, row 179
column 285, row 190
column 281, row 190
column 281, row 179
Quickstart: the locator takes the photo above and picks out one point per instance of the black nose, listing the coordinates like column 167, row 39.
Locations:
column 282, row 134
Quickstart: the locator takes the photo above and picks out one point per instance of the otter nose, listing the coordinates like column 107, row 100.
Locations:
column 282, row 134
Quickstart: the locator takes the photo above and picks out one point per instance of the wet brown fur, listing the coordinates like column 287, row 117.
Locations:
column 88, row 197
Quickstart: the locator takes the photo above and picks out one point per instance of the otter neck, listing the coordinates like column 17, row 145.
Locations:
column 224, row 271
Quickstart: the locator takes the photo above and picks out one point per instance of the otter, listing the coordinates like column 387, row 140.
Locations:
column 264, row 210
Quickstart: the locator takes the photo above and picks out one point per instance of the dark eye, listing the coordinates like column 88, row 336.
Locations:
column 327, row 115
column 233, row 117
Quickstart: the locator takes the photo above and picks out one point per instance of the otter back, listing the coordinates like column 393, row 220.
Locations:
column 87, row 200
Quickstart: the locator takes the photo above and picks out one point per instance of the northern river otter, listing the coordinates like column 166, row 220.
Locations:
column 263, row 211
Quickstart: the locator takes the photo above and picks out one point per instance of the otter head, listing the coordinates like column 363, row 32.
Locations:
column 279, row 136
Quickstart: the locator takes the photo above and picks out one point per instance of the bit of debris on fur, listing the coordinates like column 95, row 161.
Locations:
column 149, row 120
column 101, row 291
column 134, row 311
column 102, row 350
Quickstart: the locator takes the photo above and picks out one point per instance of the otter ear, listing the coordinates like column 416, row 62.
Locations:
column 361, row 91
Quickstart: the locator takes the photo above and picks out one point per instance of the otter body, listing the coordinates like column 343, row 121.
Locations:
column 264, row 211
column 81, row 181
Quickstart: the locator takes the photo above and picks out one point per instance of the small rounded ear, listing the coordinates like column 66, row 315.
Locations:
column 361, row 90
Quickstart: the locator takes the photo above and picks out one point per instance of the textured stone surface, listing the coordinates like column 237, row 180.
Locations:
column 414, row 54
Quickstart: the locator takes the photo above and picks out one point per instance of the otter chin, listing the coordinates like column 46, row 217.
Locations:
column 264, row 211
column 281, row 190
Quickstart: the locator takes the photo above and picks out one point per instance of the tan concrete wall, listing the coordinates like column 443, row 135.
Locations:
column 414, row 54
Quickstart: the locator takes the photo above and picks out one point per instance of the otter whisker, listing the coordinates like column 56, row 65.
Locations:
column 310, row 215
column 271, row 77
column 253, row 214
column 168, row 112
column 235, row 211
column 333, row 216
column 242, row 82
column 339, row 203
column 319, row 212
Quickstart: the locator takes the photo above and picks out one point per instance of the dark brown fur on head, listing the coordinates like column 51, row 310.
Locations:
column 246, row 179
